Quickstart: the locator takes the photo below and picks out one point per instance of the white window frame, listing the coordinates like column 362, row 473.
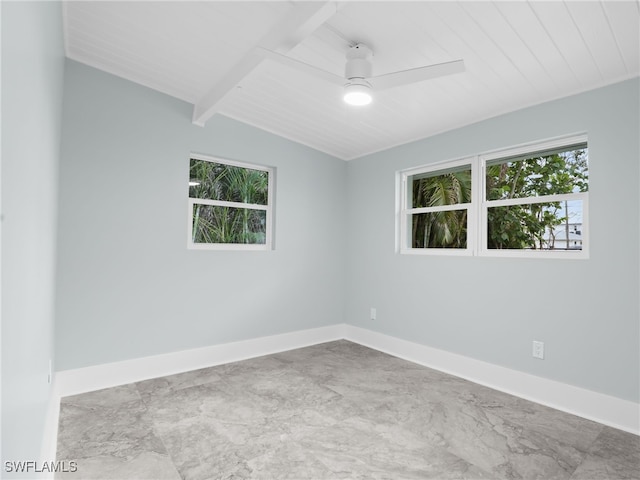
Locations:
column 477, row 228
column 407, row 211
column 268, row 208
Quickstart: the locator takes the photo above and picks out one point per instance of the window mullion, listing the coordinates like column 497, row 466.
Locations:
column 223, row 203
column 541, row 199
column 439, row 208
column 475, row 227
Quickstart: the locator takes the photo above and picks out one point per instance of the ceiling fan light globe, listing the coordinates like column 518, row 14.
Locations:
column 357, row 94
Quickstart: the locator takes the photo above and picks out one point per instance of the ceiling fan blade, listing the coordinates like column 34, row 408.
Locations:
column 414, row 75
column 301, row 66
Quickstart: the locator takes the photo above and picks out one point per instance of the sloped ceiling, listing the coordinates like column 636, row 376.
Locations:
column 516, row 54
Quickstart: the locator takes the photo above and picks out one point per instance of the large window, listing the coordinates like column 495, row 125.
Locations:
column 526, row 201
column 230, row 205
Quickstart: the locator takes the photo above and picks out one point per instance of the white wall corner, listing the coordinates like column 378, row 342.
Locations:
column 601, row 408
column 49, row 445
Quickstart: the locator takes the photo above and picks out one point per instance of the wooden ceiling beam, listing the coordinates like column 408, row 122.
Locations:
column 297, row 25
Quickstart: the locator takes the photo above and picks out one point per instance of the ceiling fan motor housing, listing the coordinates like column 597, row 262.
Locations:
column 358, row 62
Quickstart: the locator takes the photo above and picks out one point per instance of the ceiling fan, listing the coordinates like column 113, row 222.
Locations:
column 358, row 81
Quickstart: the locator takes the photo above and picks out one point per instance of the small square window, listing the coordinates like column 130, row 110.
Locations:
column 230, row 205
column 436, row 205
column 439, row 213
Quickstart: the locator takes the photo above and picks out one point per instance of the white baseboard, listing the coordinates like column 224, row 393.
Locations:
column 605, row 409
column 88, row 379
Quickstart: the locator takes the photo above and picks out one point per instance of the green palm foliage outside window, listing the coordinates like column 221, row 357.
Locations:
column 233, row 206
column 532, row 225
column 525, row 201
column 446, row 228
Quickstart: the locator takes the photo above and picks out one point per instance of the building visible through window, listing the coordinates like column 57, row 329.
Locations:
column 527, row 201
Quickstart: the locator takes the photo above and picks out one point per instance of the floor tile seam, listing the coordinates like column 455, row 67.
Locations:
column 157, row 433
column 547, row 440
column 313, row 382
column 577, row 469
column 156, row 430
column 143, row 398
column 526, row 424
column 528, row 430
column 140, row 413
column 183, row 389
column 134, row 450
column 583, row 456
column 540, row 451
column 570, row 470
column 589, row 449
column 599, row 456
column 155, row 418
column 400, row 429
column 593, row 443
column 378, row 468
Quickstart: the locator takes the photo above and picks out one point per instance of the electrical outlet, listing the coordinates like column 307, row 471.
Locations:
column 538, row 349
column 374, row 313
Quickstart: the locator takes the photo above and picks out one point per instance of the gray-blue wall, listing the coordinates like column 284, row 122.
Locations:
column 491, row 309
column 32, row 78
column 128, row 286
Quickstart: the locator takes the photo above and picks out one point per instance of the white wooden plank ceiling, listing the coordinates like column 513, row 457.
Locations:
column 516, row 54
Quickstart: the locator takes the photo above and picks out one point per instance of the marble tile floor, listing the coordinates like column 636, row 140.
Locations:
column 332, row 411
